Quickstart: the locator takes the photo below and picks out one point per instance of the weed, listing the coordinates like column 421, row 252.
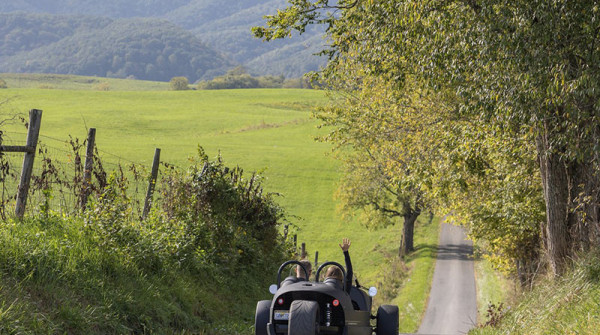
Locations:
column 494, row 315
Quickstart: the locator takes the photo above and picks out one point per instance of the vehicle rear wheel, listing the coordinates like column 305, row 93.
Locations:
column 261, row 318
column 304, row 318
column 387, row 320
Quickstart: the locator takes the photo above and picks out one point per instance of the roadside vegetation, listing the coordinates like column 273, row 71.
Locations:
column 193, row 265
column 487, row 111
column 568, row 305
column 413, row 286
column 138, row 48
column 495, row 290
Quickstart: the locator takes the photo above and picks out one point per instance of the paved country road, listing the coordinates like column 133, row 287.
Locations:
column 452, row 305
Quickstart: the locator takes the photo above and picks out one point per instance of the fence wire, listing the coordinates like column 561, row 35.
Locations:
column 57, row 178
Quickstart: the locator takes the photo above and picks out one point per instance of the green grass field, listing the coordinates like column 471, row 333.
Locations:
column 266, row 130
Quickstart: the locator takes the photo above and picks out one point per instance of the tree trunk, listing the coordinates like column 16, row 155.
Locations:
column 585, row 185
column 410, row 217
column 555, row 182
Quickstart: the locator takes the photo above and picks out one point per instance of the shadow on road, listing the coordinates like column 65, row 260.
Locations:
column 447, row 252
column 459, row 252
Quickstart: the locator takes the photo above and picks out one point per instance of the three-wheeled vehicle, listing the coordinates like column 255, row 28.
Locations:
column 301, row 307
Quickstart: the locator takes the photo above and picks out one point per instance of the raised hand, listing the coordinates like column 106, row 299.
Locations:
column 345, row 244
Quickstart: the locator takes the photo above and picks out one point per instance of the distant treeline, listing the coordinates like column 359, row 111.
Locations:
column 240, row 78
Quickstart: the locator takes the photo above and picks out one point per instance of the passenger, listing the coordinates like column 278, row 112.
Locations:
column 334, row 276
column 335, row 273
column 345, row 245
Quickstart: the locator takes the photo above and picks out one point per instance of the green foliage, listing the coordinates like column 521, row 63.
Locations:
column 233, row 79
column 226, row 219
column 3, row 83
column 179, row 84
column 297, row 83
column 223, row 26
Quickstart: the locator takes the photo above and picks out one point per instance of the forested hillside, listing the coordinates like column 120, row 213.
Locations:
column 223, row 26
column 231, row 35
column 150, row 49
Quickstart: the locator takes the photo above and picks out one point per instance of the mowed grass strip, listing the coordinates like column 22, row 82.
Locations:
column 412, row 299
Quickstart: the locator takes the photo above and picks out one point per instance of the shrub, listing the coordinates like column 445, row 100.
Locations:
column 115, row 274
column 271, row 81
column 179, row 84
column 302, row 82
column 226, row 218
column 3, row 84
column 230, row 82
column 102, row 86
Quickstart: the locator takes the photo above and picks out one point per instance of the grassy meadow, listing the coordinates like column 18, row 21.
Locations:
column 265, row 130
column 269, row 131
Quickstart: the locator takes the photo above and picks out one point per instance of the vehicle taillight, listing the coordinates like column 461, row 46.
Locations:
column 336, row 303
column 280, row 301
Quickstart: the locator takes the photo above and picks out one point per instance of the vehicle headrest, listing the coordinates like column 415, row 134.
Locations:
column 290, row 280
column 333, row 282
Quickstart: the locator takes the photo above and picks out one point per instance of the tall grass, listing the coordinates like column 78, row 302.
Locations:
column 569, row 305
column 494, row 289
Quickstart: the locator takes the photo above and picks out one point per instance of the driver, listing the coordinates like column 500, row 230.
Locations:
column 300, row 273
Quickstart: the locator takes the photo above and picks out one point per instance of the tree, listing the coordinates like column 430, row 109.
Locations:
column 3, row 84
column 382, row 200
column 179, row 84
column 518, row 75
column 371, row 120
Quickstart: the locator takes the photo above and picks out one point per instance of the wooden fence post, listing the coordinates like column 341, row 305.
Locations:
column 151, row 183
column 89, row 165
column 33, row 132
column 295, row 245
column 316, row 259
column 303, row 253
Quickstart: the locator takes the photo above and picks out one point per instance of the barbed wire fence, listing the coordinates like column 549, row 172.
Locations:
column 58, row 175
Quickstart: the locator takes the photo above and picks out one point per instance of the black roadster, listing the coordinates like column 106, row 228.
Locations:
column 302, row 307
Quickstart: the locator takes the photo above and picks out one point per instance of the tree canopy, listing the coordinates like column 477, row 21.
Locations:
column 491, row 108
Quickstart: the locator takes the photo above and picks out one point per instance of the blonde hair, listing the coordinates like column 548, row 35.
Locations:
column 334, row 272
